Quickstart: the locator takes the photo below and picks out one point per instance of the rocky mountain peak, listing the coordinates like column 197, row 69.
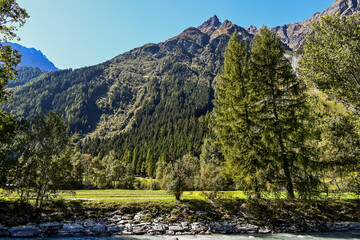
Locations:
column 293, row 34
column 211, row 22
column 343, row 7
column 210, row 25
column 252, row 29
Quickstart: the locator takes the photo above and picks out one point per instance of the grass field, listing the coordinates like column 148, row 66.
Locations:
column 118, row 195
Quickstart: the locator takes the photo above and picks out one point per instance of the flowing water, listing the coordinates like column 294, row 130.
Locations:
column 282, row 236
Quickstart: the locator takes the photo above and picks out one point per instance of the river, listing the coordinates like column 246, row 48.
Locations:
column 282, row 236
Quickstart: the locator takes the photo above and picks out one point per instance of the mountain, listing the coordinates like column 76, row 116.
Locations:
column 151, row 102
column 293, row 34
column 33, row 58
column 25, row 75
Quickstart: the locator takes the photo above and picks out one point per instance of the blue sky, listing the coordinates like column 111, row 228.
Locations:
column 78, row 33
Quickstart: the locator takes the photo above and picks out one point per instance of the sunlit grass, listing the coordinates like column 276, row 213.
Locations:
column 119, row 195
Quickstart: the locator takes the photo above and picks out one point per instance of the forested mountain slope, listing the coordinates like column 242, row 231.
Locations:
column 151, row 101
column 103, row 99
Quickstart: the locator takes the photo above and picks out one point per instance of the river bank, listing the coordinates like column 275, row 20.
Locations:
column 60, row 219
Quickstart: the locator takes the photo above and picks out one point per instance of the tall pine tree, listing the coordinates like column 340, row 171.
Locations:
column 261, row 117
column 233, row 124
column 281, row 112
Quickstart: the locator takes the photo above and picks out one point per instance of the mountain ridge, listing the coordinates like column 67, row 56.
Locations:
column 293, row 34
column 32, row 57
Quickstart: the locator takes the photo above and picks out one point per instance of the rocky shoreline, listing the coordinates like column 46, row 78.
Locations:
column 133, row 225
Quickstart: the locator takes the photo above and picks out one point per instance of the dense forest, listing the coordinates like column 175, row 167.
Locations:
column 24, row 75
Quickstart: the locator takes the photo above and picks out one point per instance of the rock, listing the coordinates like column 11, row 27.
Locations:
column 126, row 217
column 73, row 228
column 125, row 221
column 139, row 230
column 139, row 215
column 198, row 227
column 50, row 228
column 96, row 229
column 112, row 228
column 158, row 219
column 176, row 228
column 115, row 218
column 168, row 232
column 62, row 233
column 89, row 224
column 185, row 226
column 25, row 231
column 129, row 227
column 247, row 228
column 158, row 228
column 264, row 230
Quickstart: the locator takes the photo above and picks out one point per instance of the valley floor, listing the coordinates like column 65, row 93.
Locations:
column 117, row 212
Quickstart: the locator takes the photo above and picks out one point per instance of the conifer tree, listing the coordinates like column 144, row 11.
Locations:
column 261, row 117
column 280, row 112
column 233, row 123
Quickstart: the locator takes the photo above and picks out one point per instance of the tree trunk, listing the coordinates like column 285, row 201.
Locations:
column 177, row 196
column 285, row 162
column 289, row 185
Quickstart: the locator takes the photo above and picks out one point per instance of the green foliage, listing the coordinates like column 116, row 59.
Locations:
column 11, row 15
column 212, row 170
column 45, row 165
column 233, row 124
column 11, row 131
column 331, row 64
column 280, row 113
column 13, row 136
column 331, row 57
column 261, row 117
column 180, row 175
column 24, row 75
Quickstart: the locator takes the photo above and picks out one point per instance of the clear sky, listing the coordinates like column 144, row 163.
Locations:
column 78, row 33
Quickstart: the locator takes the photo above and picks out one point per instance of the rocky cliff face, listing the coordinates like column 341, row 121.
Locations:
column 293, row 34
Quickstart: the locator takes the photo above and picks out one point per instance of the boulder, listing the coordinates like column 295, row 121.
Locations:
column 264, row 230
column 73, row 228
column 139, row 215
column 115, row 218
column 249, row 228
column 158, row 228
column 176, row 228
column 50, row 228
column 25, row 231
column 89, row 224
column 139, row 230
column 97, row 229
column 112, row 229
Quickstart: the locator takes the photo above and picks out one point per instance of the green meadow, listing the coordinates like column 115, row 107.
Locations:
column 119, row 195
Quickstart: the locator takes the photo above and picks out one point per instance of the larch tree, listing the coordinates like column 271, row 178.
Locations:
column 280, row 114
column 261, row 117
column 232, row 116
